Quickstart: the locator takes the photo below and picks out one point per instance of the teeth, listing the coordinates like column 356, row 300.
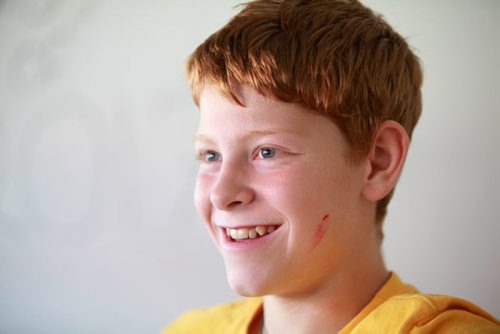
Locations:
column 233, row 233
column 249, row 233
column 242, row 233
column 252, row 233
column 261, row 230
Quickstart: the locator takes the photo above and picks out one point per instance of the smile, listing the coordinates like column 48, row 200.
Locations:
column 249, row 232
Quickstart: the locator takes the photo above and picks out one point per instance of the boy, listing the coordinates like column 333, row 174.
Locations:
column 306, row 112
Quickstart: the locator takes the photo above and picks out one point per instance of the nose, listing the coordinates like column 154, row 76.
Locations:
column 231, row 189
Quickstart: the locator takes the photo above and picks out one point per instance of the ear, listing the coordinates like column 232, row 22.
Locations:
column 385, row 160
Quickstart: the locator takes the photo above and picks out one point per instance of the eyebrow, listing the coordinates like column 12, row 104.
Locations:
column 255, row 133
column 203, row 138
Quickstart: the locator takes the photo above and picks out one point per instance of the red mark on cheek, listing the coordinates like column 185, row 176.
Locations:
column 320, row 231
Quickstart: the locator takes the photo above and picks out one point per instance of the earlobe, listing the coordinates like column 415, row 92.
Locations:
column 385, row 160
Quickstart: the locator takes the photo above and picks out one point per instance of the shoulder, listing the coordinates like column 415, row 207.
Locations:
column 419, row 313
column 228, row 318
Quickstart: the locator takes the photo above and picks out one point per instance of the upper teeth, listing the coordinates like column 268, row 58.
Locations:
column 249, row 232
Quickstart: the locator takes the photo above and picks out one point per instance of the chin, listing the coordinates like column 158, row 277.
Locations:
column 246, row 290
column 247, row 284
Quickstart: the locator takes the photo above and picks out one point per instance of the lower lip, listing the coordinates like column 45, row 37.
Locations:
column 228, row 244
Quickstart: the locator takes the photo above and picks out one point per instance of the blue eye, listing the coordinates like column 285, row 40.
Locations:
column 267, row 153
column 210, row 156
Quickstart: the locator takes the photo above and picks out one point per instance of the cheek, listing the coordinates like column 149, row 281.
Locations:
column 202, row 196
column 320, row 232
column 289, row 188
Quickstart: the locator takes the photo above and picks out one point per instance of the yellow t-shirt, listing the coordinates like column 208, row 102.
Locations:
column 396, row 308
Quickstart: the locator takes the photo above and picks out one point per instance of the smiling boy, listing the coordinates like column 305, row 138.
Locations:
column 306, row 112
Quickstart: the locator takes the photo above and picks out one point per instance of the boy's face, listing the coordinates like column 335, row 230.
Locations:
column 273, row 165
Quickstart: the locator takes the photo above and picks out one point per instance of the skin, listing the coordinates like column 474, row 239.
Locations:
column 275, row 163
column 320, row 231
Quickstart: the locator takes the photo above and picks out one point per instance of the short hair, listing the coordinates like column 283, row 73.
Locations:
column 334, row 57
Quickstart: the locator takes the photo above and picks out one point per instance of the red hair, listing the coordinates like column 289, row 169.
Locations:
column 334, row 57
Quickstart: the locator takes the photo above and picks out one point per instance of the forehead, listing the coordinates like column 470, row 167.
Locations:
column 222, row 118
column 254, row 108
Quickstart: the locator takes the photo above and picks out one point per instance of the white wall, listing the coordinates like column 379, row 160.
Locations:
column 98, row 233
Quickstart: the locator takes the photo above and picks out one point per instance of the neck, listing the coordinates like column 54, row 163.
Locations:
column 328, row 308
